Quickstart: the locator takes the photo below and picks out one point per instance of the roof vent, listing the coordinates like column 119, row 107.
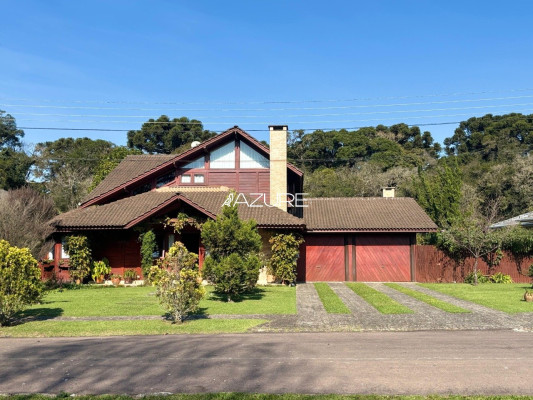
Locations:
column 194, row 144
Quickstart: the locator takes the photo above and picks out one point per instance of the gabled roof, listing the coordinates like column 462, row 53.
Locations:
column 525, row 220
column 130, row 211
column 135, row 168
column 366, row 214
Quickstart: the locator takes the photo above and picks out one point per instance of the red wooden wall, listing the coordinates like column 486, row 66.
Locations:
column 433, row 265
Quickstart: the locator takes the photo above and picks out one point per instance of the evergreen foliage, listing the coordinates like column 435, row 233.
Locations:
column 148, row 247
column 285, row 253
column 80, row 258
column 20, row 281
column 233, row 246
column 179, row 287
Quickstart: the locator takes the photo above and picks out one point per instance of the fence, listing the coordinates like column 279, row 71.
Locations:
column 433, row 265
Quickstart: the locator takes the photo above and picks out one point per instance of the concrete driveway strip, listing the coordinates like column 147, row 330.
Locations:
column 462, row 362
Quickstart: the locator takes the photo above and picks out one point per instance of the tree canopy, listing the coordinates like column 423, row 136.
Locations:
column 14, row 162
column 165, row 136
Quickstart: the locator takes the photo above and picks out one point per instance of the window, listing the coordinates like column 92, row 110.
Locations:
column 251, row 158
column 223, row 157
column 163, row 180
column 198, row 163
column 198, row 178
column 185, row 179
column 51, row 253
column 64, row 254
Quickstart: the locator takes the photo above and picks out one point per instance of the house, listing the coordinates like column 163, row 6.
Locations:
column 346, row 239
column 525, row 220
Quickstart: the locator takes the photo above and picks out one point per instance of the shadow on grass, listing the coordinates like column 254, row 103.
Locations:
column 37, row 314
column 255, row 294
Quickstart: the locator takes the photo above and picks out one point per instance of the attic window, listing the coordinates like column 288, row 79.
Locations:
column 185, row 179
column 251, row 158
column 198, row 163
column 223, row 157
column 163, row 180
column 198, row 178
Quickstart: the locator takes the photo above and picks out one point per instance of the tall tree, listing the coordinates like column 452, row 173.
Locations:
column 14, row 162
column 164, row 136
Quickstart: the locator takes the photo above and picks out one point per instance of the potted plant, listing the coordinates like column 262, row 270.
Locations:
column 129, row 275
column 115, row 279
column 100, row 269
column 528, row 295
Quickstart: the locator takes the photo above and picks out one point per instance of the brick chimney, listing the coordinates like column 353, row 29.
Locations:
column 278, row 166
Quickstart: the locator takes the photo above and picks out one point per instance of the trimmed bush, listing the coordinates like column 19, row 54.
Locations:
column 285, row 252
column 80, row 259
column 179, row 287
column 20, row 281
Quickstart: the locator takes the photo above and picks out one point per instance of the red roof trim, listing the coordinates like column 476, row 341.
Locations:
column 198, row 149
column 377, row 230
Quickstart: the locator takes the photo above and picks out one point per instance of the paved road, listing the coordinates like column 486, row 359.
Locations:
column 466, row 362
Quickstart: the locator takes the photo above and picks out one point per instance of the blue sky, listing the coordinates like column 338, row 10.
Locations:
column 309, row 64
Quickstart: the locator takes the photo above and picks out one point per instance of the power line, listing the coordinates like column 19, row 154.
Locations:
column 282, row 116
column 269, row 109
column 277, row 101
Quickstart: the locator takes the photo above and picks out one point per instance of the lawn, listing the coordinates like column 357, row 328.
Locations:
column 129, row 327
column 332, row 303
column 132, row 301
column 502, row 297
column 432, row 301
column 383, row 303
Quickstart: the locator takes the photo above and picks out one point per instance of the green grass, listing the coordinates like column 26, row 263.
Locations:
column 131, row 327
column 383, row 303
column 503, row 297
column 332, row 303
column 258, row 396
column 432, row 301
column 142, row 301
column 264, row 300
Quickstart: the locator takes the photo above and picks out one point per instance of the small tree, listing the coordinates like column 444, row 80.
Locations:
column 179, row 285
column 285, row 253
column 148, row 247
column 80, row 259
column 20, row 281
column 230, row 236
column 470, row 235
column 519, row 243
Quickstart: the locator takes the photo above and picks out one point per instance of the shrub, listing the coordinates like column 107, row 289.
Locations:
column 100, row 268
column 79, row 253
column 148, row 247
column 501, row 278
column 530, row 272
column 130, row 274
column 285, row 252
column 155, row 274
column 20, row 281
column 233, row 275
column 233, row 245
column 470, row 278
column 179, row 287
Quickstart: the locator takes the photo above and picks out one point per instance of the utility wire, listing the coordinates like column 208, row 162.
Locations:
column 268, row 109
column 277, row 102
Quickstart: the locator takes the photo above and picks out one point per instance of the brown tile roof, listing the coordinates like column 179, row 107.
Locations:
column 116, row 215
column 133, row 167
column 367, row 214
column 264, row 216
column 128, row 169
column 127, row 212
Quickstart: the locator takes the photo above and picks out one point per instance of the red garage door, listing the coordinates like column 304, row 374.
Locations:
column 383, row 258
column 324, row 258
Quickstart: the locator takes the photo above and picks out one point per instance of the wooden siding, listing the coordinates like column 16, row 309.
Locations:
column 383, row 258
column 433, row 265
column 324, row 258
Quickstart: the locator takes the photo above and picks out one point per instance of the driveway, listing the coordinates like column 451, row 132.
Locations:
column 461, row 362
column 313, row 317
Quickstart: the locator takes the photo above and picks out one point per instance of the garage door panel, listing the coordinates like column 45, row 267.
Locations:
column 382, row 258
column 324, row 258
